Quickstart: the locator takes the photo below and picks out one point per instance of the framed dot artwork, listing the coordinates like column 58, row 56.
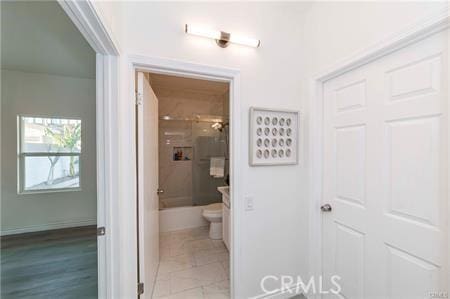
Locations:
column 273, row 137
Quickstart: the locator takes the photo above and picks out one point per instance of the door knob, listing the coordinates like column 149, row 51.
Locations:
column 326, row 208
column 159, row 191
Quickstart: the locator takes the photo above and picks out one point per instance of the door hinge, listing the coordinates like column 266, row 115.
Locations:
column 139, row 98
column 101, row 231
column 140, row 288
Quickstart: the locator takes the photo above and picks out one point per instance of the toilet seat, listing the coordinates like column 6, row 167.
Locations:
column 213, row 209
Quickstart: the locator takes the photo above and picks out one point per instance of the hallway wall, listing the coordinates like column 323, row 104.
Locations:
column 269, row 78
column 297, row 41
column 334, row 31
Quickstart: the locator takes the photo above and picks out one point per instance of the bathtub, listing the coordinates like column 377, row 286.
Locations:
column 174, row 202
column 179, row 218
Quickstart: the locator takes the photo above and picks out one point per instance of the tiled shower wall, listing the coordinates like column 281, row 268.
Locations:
column 175, row 177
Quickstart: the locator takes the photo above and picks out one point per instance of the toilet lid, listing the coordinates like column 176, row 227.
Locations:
column 215, row 207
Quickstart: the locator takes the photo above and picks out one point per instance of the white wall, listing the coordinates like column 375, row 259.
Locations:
column 269, row 78
column 334, row 31
column 298, row 40
column 46, row 95
column 49, row 41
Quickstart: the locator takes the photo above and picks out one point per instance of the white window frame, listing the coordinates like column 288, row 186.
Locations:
column 21, row 156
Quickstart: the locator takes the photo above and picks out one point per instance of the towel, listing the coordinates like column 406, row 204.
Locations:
column 217, row 167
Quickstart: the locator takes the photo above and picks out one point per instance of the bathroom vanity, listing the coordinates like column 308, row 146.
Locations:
column 225, row 191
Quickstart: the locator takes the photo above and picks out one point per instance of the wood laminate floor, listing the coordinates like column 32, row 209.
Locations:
column 52, row 264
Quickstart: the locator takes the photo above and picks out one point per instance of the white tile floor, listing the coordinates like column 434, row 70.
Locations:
column 192, row 266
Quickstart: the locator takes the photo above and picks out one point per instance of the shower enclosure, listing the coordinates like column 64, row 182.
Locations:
column 186, row 148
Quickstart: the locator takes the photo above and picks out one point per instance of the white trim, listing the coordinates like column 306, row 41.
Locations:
column 448, row 148
column 108, row 176
column 49, row 226
column 92, row 26
column 192, row 70
column 412, row 34
column 409, row 35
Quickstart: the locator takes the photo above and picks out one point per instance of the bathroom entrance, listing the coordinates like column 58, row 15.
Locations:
column 183, row 136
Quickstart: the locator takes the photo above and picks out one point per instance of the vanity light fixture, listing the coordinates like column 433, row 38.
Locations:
column 223, row 39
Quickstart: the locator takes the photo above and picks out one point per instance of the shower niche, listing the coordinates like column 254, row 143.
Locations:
column 182, row 153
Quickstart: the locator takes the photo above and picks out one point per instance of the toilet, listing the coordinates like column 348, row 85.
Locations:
column 213, row 213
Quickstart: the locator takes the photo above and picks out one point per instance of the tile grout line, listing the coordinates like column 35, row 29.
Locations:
column 191, row 255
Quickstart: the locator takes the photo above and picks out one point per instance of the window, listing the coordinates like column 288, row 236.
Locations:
column 49, row 154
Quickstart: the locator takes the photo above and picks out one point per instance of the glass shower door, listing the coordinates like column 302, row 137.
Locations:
column 208, row 143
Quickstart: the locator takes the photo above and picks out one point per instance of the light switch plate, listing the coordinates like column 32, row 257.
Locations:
column 249, row 204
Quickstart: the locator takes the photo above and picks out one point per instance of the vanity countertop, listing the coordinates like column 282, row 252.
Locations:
column 225, row 190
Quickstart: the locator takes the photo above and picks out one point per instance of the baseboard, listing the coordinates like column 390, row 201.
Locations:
column 48, row 226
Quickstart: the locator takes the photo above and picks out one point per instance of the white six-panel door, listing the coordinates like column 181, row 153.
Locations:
column 385, row 175
column 147, row 147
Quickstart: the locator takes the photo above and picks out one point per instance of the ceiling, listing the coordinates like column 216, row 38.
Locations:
column 39, row 37
column 164, row 85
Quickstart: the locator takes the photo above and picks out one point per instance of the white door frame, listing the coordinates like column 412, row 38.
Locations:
column 412, row 34
column 86, row 18
column 232, row 76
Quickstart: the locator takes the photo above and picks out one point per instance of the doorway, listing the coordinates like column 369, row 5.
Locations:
column 49, row 155
column 183, row 139
column 83, row 22
column 385, row 197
